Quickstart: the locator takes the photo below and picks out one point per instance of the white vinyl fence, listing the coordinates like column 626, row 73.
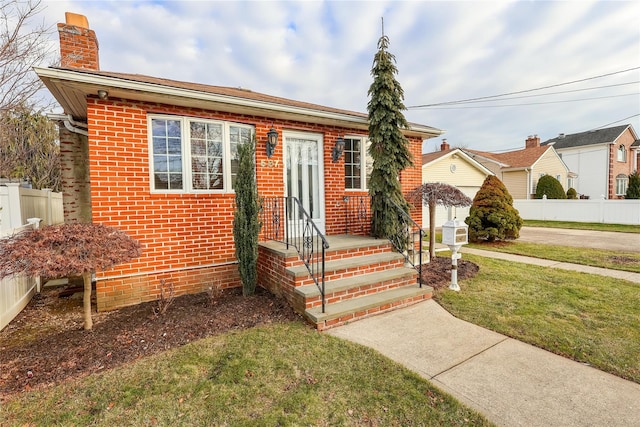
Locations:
column 18, row 204
column 603, row 211
column 16, row 291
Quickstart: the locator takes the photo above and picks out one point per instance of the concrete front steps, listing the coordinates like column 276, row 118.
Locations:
column 363, row 277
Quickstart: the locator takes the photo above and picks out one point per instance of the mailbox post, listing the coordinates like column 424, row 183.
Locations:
column 455, row 234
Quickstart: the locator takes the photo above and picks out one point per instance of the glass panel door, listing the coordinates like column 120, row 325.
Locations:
column 304, row 176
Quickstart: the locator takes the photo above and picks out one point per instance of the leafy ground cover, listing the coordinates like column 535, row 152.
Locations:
column 615, row 260
column 590, row 319
column 583, row 226
column 211, row 359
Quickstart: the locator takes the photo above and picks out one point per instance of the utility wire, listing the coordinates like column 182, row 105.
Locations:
column 550, row 93
column 523, row 91
column 533, row 103
column 612, row 123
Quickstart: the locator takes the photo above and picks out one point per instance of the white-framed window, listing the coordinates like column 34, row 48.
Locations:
column 571, row 183
column 622, row 153
column 194, row 155
column 357, row 162
column 622, row 181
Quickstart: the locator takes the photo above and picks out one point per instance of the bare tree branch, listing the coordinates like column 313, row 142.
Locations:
column 24, row 43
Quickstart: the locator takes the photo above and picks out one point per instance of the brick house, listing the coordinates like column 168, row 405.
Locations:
column 603, row 159
column 157, row 158
column 520, row 170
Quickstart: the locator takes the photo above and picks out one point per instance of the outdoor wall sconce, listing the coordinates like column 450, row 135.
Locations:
column 103, row 94
column 337, row 150
column 272, row 141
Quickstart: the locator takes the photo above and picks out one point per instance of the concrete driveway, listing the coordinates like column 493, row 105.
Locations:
column 628, row 242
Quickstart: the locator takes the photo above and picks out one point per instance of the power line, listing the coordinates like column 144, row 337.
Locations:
column 523, row 91
column 612, row 123
column 534, row 103
column 546, row 94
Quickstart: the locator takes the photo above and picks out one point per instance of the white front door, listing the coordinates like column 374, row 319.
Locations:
column 304, row 174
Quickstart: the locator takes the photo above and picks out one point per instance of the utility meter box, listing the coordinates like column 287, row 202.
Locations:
column 455, row 233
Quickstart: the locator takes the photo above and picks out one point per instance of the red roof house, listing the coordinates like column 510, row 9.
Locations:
column 157, row 158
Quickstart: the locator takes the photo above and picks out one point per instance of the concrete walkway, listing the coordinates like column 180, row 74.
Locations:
column 511, row 383
column 618, row 274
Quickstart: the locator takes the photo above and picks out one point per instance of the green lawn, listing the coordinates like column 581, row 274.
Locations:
column 616, row 260
column 276, row 375
column 591, row 319
column 583, row 226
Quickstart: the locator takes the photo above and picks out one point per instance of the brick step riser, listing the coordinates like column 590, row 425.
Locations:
column 350, row 272
column 344, row 254
column 352, row 317
column 360, row 291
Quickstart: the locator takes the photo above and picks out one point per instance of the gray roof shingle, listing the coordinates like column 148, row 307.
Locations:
column 600, row 136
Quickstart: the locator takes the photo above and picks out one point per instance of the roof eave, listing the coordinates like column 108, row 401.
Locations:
column 70, row 88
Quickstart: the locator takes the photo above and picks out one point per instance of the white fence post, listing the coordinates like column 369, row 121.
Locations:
column 35, row 223
column 14, row 207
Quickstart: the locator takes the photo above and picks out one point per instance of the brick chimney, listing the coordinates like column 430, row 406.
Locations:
column 78, row 43
column 444, row 146
column 533, row 141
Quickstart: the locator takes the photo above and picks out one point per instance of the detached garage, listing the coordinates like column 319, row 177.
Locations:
column 453, row 167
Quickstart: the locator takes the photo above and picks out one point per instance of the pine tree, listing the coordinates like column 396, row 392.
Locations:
column 492, row 215
column 633, row 190
column 246, row 225
column 389, row 147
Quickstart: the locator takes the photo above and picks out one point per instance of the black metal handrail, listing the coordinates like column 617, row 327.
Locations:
column 408, row 239
column 357, row 215
column 285, row 220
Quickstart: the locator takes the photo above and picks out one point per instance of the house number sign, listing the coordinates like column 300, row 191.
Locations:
column 270, row 163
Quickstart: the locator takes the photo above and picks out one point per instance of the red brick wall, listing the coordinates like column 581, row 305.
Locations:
column 78, row 47
column 187, row 239
column 615, row 167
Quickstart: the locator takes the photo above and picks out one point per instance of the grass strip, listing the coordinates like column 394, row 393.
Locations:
column 276, row 375
column 587, row 318
column 596, row 226
column 615, row 260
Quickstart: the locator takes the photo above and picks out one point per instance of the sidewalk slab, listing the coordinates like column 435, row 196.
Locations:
column 516, row 384
column 511, row 383
column 423, row 337
column 618, row 274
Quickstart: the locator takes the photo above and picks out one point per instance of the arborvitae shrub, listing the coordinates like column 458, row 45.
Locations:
column 551, row 187
column 246, row 224
column 633, row 190
column 492, row 215
column 572, row 194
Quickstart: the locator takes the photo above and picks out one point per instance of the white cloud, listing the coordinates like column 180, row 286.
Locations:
column 322, row 52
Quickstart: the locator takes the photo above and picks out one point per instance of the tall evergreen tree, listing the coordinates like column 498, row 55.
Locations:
column 389, row 147
column 246, row 225
column 633, row 190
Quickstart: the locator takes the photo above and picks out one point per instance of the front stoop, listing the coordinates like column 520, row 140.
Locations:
column 363, row 277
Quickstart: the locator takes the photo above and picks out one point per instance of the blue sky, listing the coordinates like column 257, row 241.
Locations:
column 322, row 52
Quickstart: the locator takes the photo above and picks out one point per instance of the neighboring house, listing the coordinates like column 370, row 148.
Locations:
column 520, row 170
column 157, row 159
column 603, row 159
column 453, row 167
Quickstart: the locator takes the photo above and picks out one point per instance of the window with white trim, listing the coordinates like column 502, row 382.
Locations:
column 357, row 162
column 194, row 155
column 622, row 181
column 622, row 153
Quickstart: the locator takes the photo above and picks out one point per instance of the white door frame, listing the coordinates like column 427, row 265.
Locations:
column 307, row 182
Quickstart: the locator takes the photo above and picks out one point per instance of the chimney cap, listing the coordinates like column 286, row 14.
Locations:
column 76, row 20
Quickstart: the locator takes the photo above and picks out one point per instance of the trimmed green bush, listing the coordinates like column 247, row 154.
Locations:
column 551, row 187
column 572, row 194
column 633, row 190
column 492, row 215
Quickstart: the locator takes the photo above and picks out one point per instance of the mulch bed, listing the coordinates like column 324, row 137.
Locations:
column 46, row 345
